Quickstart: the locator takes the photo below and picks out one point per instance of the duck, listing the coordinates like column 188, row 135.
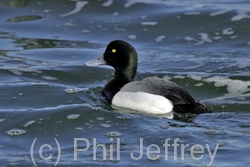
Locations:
column 151, row 95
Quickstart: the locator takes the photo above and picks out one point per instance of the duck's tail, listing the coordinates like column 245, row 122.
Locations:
column 197, row 108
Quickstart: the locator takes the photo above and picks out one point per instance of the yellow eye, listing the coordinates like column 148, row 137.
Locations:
column 113, row 50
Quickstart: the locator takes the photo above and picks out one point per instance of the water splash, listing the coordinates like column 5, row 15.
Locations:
column 108, row 3
column 29, row 123
column 71, row 90
column 114, row 134
column 16, row 132
column 73, row 116
column 78, row 8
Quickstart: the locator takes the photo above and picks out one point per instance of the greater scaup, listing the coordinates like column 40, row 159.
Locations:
column 152, row 95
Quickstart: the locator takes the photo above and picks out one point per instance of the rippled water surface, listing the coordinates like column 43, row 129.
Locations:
column 51, row 105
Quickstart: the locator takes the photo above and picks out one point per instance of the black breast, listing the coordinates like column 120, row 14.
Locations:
column 112, row 87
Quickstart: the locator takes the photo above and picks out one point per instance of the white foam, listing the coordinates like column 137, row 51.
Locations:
column 179, row 76
column 70, row 24
column 166, row 77
column 16, row 132
column 71, row 90
column 73, row 116
column 242, row 62
column 113, row 134
column 108, row 3
column 132, row 2
column 85, row 31
column 105, row 125
column 100, row 118
column 220, row 12
column 205, row 37
column 160, row 38
column 132, row 37
column 198, row 84
column 195, row 77
column 152, row 23
column 47, row 10
column 188, row 38
column 115, row 14
column 79, row 128
column 29, row 123
column 227, row 31
column 192, row 13
column 50, row 78
column 241, row 14
column 234, row 86
column 78, row 8
column 234, row 36
column 217, row 37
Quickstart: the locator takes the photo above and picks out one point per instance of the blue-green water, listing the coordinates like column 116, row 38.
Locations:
column 48, row 95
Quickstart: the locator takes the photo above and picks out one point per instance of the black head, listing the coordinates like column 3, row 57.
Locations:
column 120, row 55
column 123, row 57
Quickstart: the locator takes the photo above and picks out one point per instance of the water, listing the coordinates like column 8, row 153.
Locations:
column 49, row 97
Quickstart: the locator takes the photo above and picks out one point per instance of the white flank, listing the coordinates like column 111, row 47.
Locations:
column 142, row 102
